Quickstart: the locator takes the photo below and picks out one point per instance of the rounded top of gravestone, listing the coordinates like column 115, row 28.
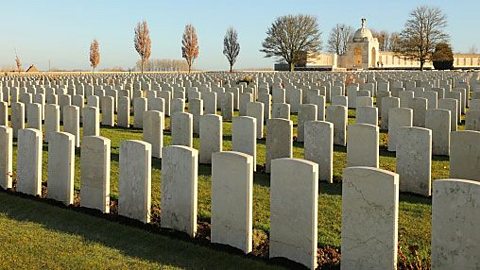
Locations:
column 363, row 33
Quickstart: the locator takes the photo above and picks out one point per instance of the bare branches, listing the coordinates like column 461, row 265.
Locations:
column 190, row 45
column 94, row 54
column 142, row 42
column 291, row 36
column 338, row 39
column 231, row 47
column 422, row 32
column 17, row 62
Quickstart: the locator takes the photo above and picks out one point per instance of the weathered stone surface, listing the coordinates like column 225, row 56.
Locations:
column 367, row 115
column 71, row 122
column 91, row 121
column 123, row 114
column 465, row 155
column 244, row 99
column 29, row 161
column 182, row 129
column 195, row 107
column 306, row 112
column 419, row 106
column 211, row 137
column 108, row 106
column 139, row 107
column 244, row 136
column 455, row 219
column 362, row 145
column 318, row 147
column 61, row 167
column 369, row 218
column 414, row 163
column 227, row 106
column 6, row 150
column 3, row 113
column 387, row 104
column 281, row 110
column 438, row 120
column 451, row 105
column 95, row 173
column 338, row 116
column 153, row 132
column 472, row 120
column 279, row 142
column 18, row 117
column 398, row 118
column 135, row 180
column 293, row 210
column 256, row 110
column 295, row 99
column 34, row 116
column 179, row 189
column 232, row 199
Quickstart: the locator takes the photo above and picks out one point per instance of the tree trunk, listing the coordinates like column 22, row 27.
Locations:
column 292, row 66
column 231, row 68
column 189, row 68
column 143, row 63
column 422, row 62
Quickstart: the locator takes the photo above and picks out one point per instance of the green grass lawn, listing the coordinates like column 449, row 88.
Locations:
column 414, row 215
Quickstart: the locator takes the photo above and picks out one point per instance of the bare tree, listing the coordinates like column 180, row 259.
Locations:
column 424, row 29
column 190, row 45
column 338, row 39
column 142, row 42
column 473, row 49
column 231, row 47
column 94, row 54
column 393, row 42
column 17, row 62
column 383, row 39
column 290, row 37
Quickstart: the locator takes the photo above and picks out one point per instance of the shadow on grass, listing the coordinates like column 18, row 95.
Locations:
column 135, row 240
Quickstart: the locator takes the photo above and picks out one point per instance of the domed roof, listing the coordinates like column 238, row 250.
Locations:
column 363, row 33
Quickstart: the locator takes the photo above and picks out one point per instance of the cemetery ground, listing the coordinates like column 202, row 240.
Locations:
column 64, row 236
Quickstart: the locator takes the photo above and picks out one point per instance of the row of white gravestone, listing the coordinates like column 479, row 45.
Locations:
column 370, row 199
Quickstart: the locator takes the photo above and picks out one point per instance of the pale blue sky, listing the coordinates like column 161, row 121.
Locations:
column 61, row 30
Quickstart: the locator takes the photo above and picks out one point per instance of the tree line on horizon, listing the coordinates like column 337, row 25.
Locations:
column 290, row 37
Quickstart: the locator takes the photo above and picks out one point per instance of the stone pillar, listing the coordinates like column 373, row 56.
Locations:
column 107, row 104
column 139, row 107
column 71, row 123
column 455, row 219
column 95, row 173
column 153, row 132
column 211, row 136
column 256, row 110
column 362, row 145
column 91, row 121
column 135, row 180
column 279, row 142
column 465, row 155
column 232, row 200
column 179, row 189
column 306, row 112
column 369, row 218
column 182, row 129
column 29, row 161
column 123, row 114
column 414, row 160
column 6, row 146
column 338, row 116
column 318, row 146
column 61, row 163
column 18, row 117
column 294, row 204
column 438, row 120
